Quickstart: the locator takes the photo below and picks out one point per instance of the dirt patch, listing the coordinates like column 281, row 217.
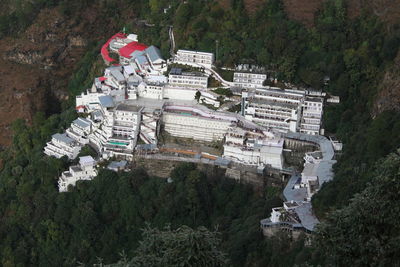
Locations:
column 388, row 97
column 252, row 6
column 37, row 64
column 302, row 11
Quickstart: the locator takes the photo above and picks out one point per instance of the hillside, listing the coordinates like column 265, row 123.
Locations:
column 37, row 64
column 54, row 41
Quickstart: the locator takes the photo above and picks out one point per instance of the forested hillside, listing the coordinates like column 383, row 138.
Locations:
column 39, row 226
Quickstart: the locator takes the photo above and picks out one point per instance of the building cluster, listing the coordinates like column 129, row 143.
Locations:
column 284, row 110
column 69, row 144
column 85, row 170
column 133, row 100
column 294, row 217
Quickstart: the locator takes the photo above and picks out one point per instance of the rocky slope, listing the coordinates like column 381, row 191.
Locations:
column 388, row 97
column 36, row 66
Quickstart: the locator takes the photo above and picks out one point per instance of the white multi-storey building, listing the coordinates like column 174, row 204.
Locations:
column 62, row 145
column 211, row 98
column 194, row 58
column 79, row 130
column 196, row 122
column 177, row 77
column 124, row 122
column 294, row 217
column 84, row 171
column 249, row 79
column 152, row 90
column 274, row 108
column 253, row 147
column 312, row 115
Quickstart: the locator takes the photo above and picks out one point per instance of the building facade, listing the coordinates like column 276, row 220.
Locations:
column 312, row 115
column 84, row 171
column 177, row 77
column 195, row 58
column 62, row 145
column 249, row 79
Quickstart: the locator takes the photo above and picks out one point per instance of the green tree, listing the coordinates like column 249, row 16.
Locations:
column 181, row 247
column 366, row 232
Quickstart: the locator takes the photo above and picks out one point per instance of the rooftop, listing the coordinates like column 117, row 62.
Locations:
column 314, row 99
column 310, row 169
column 117, row 164
column 127, row 107
column 76, row 168
column 153, row 53
column 63, row 138
column 128, row 49
column 82, row 122
column 86, row 160
column 106, row 101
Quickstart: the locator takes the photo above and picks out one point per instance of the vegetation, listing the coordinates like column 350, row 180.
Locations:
column 181, row 247
column 373, row 213
column 223, row 91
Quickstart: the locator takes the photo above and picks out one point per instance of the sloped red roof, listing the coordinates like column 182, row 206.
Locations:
column 104, row 49
column 130, row 48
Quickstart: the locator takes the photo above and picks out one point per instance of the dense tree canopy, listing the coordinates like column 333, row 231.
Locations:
column 367, row 231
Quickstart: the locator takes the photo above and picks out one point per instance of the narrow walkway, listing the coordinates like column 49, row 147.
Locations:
column 172, row 41
column 324, row 173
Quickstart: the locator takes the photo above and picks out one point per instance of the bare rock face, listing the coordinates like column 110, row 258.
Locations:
column 76, row 41
column 36, row 66
column 388, row 97
column 24, row 57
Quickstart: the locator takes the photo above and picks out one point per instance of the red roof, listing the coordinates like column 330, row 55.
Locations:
column 104, row 48
column 102, row 79
column 130, row 48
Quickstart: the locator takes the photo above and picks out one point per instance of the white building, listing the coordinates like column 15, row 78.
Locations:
column 336, row 144
column 249, row 79
column 84, row 171
column 312, row 115
column 152, row 90
column 62, row 145
column 273, row 108
column 211, row 98
column 177, row 77
column 253, row 148
column 197, row 123
column 295, row 217
column 79, row 130
column 194, row 58
column 125, row 120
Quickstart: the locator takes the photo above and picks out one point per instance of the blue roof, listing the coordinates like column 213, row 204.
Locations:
column 142, row 60
column 153, row 53
column 82, row 122
column 106, row 101
column 63, row 138
column 136, row 53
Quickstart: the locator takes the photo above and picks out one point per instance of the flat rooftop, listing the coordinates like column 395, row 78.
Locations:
column 128, row 107
column 310, row 169
column 314, row 99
